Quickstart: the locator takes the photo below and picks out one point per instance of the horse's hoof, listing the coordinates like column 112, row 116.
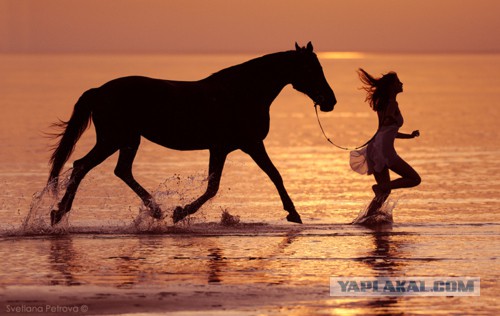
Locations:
column 294, row 218
column 179, row 214
column 55, row 217
column 156, row 213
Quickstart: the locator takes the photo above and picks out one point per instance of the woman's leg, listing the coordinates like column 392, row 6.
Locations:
column 409, row 177
column 383, row 185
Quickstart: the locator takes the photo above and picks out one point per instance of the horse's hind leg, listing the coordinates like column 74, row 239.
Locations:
column 81, row 167
column 216, row 165
column 123, row 171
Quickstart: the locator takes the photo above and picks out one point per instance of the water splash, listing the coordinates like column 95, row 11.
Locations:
column 381, row 218
column 145, row 223
column 227, row 219
column 177, row 189
column 37, row 221
column 174, row 191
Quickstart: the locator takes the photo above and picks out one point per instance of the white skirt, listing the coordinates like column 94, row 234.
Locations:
column 358, row 161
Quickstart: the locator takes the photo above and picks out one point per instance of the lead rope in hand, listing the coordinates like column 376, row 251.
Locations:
column 330, row 141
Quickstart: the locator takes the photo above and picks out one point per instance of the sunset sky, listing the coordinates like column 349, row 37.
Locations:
column 203, row 26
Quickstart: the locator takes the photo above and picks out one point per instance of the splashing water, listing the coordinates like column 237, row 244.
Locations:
column 382, row 217
column 177, row 190
column 37, row 221
column 174, row 191
column 227, row 219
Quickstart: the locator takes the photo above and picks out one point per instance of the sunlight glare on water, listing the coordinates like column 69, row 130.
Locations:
column 341, row 55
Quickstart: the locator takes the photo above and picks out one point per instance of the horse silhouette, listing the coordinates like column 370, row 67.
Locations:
column 226, row 111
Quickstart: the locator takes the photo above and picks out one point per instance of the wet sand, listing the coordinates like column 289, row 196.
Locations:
column 172, row 299
column 183, row 299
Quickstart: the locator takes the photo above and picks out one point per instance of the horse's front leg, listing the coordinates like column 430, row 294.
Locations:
column 258, row 153
column 217, row 160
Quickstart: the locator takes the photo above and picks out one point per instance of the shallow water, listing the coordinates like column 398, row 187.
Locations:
column 448, row 226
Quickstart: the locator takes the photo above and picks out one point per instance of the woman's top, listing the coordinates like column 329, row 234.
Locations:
column 380, row 152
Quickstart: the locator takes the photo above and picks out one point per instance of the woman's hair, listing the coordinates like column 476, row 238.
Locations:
column 377, row 89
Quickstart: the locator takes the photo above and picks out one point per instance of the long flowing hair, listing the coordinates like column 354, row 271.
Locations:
column 377, row 89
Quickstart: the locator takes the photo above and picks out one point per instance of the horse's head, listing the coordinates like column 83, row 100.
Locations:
column 308, row 78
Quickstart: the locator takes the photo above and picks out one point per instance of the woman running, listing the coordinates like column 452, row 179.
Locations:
column 380, row 154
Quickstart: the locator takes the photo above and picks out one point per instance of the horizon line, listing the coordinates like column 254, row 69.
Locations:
column 324, row 54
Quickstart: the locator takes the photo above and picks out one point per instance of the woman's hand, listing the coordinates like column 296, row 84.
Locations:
column 415, row 133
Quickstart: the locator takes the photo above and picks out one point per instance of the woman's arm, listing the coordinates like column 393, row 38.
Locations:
column 407, row 136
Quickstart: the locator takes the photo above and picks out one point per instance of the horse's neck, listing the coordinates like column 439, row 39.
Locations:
column 269, row 72
column 272, row 69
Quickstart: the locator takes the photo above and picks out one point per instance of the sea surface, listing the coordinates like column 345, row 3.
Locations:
column 110, row 250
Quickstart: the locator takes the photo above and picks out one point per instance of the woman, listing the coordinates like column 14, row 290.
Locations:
column 380, row 153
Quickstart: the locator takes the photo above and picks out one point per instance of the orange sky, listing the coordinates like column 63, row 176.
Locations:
column 191, row 26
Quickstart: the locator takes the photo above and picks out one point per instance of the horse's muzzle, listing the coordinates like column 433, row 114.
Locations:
column 326, row 104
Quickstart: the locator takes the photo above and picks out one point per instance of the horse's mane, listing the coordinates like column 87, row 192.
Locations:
column 251, row 66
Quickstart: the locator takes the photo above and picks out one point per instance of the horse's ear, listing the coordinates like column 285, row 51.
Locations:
column 297, row 47
column 309, row 47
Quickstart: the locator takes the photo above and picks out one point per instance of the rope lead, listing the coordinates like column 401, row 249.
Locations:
column 330, row 141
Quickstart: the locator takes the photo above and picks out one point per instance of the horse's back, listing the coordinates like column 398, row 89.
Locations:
column 148, row 92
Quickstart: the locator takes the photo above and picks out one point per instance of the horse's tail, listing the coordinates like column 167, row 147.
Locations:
column 71, row 131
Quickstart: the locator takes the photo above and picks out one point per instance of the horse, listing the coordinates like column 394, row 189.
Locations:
column 226, row 111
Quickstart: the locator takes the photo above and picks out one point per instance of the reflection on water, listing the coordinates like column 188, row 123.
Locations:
column 448, row 226
column 300, row 259
column 62, row 260
column 383, row 259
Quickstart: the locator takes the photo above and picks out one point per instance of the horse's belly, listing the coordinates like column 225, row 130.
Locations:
column 174, row 141
column 195, row 134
